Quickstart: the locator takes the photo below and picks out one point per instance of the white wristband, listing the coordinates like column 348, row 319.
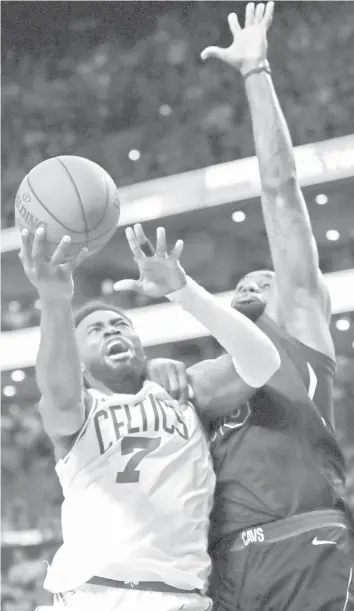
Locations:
column 255, row 356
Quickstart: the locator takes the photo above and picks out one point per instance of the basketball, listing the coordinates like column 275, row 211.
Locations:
column 69, row 195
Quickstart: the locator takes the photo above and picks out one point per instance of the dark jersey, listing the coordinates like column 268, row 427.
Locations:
column 277, row 455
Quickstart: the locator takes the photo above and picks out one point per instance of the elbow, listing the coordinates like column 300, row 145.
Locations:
column 274, row 363
column 261, row 369
column 270, row 367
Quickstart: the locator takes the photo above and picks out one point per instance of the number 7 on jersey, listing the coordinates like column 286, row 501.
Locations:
column 145, row 445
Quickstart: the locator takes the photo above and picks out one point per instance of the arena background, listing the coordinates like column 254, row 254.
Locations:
column 122, row 84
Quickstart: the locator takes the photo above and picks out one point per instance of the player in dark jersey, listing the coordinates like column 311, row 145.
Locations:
column 279, row 535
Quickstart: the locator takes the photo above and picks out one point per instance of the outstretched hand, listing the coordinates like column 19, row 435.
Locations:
column 161, row 273
column 249, row 46
column 52, row 279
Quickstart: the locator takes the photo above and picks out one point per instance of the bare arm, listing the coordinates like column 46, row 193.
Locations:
column 302, row 295
column 218, row 389
column 58, row 368
column 58, row 371
column 254, row 355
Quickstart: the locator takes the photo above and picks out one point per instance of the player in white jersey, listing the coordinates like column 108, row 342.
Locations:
column 133, row 463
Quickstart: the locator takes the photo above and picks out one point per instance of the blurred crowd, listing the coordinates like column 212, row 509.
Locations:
column 104, row 90
column 127, row 79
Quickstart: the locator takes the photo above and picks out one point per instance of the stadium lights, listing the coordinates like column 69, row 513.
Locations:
column 9, row 391
column 321, row 199
column 342, row 324
column 238, row 216
column 165, row 110
column 218, row 185
column 163, row 323
column 134, row 155
column 18, row 375
column 332, row 235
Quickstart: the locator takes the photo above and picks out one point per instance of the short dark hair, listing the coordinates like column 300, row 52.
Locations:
column 243, row 276
column 96, row 306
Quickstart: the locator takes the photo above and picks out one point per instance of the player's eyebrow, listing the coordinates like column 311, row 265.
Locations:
column 118, row 319
column 98, row 324
column 93, row 325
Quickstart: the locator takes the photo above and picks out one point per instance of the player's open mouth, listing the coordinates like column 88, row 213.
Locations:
column 116, row 349
column 248, row 298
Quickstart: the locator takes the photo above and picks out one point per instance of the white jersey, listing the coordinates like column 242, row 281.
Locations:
column 138, row 487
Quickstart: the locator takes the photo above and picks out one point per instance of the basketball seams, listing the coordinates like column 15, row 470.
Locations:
column 79, row 198
column 99, row 237
column 105, row 204
column 49, row 212
column 94, row 238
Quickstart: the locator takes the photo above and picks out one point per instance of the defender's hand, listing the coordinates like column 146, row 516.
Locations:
column 249, row 46
column 171, row 375
column 52, row 279
column 161, row 273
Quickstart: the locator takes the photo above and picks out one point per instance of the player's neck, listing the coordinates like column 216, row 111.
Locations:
column 127, row 385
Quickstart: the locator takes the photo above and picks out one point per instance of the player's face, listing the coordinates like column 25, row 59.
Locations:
column 109, row 346
column 251, row 293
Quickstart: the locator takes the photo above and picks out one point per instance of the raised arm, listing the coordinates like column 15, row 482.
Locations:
column 302, row 294
column 254, row 356
column 58, row 367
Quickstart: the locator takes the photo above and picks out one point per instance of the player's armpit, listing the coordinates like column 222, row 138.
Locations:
column 218, row 388
column 307, row 320
column 60, row 421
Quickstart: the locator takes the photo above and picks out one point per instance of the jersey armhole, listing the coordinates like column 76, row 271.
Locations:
column 320, row 357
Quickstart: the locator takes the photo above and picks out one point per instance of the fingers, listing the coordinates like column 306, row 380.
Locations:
column 171, row 375
column 80, row 257
column 268, row 14
column 25, row 253
column 177, row 381
column 141, row 247
column 60, row 254
column 161, row 242
column 154, row 374
column 70, row 266
column 259, row 13
column 234, row 24
column 38, row 245
column 143, row 241
column 217, row 52
column 177, row 250
column 127, row 285
column 134, row 244
column 183, row 383
column 173, row 381
column 249, row 18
